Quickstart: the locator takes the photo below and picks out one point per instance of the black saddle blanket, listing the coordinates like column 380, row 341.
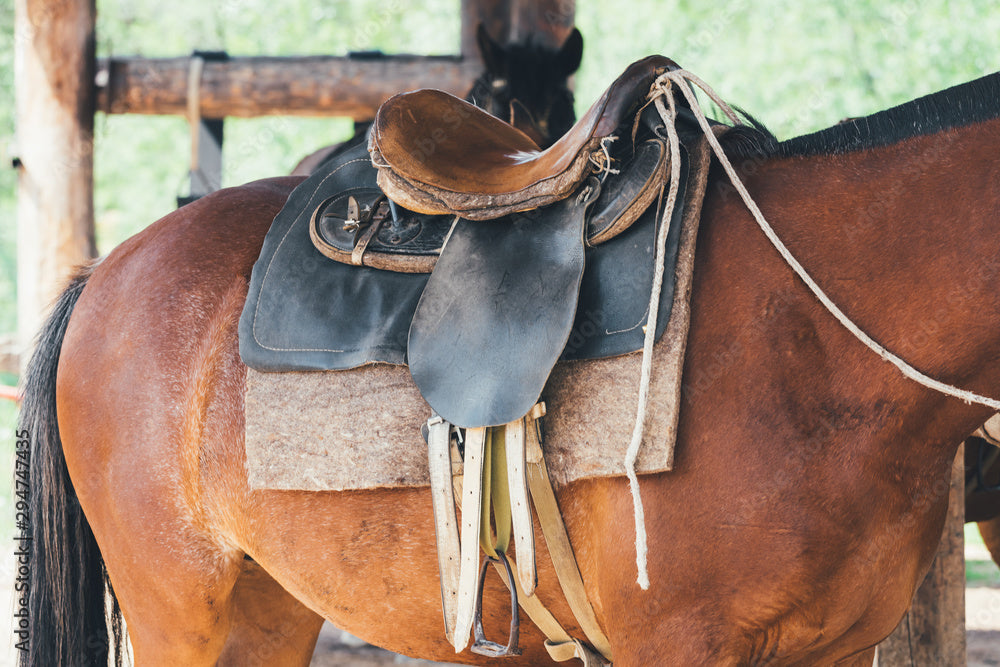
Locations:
column 307, row 312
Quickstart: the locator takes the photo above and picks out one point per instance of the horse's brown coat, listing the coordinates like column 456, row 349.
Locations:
column 810, row 481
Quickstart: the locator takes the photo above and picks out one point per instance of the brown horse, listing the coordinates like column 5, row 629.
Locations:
column 811, row 478
column 524, row 83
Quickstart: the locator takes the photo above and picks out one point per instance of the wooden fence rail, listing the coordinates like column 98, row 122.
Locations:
column 260, row 86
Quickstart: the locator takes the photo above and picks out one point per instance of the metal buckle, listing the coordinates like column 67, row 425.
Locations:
column 481, row 645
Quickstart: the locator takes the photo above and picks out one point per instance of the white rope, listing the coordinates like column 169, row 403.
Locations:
column 681, row 79
column 660, row 91
column 632, row 453
column 603, row 160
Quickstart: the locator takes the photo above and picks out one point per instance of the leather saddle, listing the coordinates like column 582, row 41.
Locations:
column 504, row 229
column 439, row 156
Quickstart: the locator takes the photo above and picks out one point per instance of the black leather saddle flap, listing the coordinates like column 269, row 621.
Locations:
column 614, row 295
column 497, row 311
column 306, row 312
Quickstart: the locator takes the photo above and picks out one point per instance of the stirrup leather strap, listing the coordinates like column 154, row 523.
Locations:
column 472, row 503
column 487, row 482
column 557, row 539
column 445, row 523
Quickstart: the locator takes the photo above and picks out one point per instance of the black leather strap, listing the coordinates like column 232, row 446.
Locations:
column 305, row 312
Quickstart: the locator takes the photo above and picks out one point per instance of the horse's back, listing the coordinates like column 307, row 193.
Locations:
column 154, row 332
column 141, row 326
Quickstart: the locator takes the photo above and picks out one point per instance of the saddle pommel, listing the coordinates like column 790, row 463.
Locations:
column 438, row 154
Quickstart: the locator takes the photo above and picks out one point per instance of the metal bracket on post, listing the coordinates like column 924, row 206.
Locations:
column 206, row 133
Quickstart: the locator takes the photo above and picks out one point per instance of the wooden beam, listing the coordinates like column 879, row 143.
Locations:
column 54, row 71
column 288, row 86
column 933, row 630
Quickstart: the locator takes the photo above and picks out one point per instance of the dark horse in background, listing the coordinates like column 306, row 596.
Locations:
column 811, row 479
column 524, row 83
column 982, row 500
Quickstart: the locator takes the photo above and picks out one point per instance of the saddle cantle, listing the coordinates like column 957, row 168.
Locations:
column 439, row 154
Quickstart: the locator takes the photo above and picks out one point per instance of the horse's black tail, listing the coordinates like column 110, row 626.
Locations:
column 66, row 613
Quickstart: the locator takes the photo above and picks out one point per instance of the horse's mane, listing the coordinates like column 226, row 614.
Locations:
column 958, row 106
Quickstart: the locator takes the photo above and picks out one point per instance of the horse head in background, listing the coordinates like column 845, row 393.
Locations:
column 525, row 84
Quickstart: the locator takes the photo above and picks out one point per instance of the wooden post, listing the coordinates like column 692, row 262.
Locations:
column 548, row 22
column 54, row 69
column 933, row 630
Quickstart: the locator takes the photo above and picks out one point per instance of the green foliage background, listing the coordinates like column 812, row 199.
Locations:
column 796, row 66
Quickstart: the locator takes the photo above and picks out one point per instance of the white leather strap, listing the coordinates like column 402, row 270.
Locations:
column 472, row 498
column 520, row 507
column 459, row 555
column 445, row 521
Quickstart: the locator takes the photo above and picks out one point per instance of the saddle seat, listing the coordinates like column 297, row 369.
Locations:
column 437, row 154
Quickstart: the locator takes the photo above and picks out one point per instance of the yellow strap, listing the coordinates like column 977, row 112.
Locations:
column 495, row 489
